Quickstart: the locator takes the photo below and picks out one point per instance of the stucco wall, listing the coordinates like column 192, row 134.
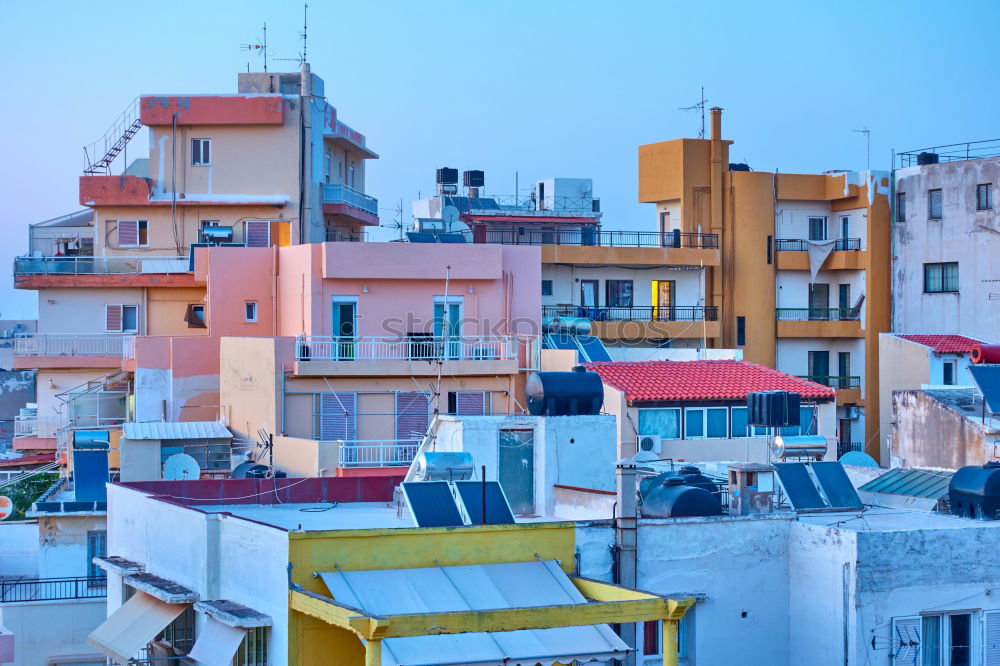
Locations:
column 54, row 632
column 63, row 544
column 902, row 365
column 925, row 433
column 19, row 548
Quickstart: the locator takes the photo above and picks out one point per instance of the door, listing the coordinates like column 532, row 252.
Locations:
column 819, row 301
column 343, row 328
column 844, row 369
column 516, row 459
column 448, row 327
column 664, row 294
column 819, row 366
column 588, row 298
column 844, row 437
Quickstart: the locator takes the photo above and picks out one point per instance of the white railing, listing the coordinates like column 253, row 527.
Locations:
column 70, row 344
column 101, row 265
column 128, row 347
column 334, row 193
column 36, row 426
column 377, row 453
column 413, row 348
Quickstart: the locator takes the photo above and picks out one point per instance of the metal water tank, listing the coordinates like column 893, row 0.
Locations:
column 564, row 393
column 799, row 446
column 674, row 499
column 974, row 492
column 443, row 466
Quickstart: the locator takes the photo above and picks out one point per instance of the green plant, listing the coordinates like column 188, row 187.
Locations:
column 24, row 493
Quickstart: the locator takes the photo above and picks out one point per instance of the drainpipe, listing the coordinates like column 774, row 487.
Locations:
column 718, row 225
column 626, row 541
column 306, row 186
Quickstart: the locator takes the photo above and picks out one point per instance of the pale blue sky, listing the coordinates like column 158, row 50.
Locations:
column 547, row 88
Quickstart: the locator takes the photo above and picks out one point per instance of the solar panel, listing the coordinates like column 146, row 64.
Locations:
column 592, row 348
column 432, row 504
column 838, row 488
column 560, row 341
column 497, row 509
column 799, row 486
column 987, row 378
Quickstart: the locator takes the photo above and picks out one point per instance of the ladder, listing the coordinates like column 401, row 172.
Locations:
column 98, row 156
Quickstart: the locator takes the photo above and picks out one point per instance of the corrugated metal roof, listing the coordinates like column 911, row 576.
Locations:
column 80, row 218
column 177, row 430
column 911, row 482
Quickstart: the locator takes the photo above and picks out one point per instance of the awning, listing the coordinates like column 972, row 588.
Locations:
column 133, row 625
column 515, row 585
column 216, row 644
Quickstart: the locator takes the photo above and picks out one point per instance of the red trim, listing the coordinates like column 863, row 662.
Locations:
column 367, row 472
column 585, row 490
column 540, row 219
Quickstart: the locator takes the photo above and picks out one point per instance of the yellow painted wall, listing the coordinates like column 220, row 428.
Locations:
column 878, row 303
column 166, row 308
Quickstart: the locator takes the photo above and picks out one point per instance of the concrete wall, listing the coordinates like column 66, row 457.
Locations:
column 926, row 433
column 83, row 310
column 250, row 383
column 63, row 544
column 19, row 548
column 48, row 633
column 903, row 365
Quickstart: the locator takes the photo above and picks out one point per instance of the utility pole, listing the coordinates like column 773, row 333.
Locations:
column 868, row 137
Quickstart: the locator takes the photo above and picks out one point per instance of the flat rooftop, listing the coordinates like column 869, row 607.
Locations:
column 887, row 519
column 319, row 516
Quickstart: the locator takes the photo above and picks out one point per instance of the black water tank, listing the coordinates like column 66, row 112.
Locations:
column 739, row 166
column 974, row 492
column 773, row 408
column 674, row 499
column 692, row 476
column 564, row 393
column 447, row 176
column 927, row 158
column 474, row 178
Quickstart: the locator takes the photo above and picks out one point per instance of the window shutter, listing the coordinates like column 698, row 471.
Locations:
column 258, row 233
column 113, row 318
column 470, row 403
column 206, row 151
column 905, row 645
column 412, row 415
column 196, row 151
column 991, row 638
column 338, row 416
column 128, row 233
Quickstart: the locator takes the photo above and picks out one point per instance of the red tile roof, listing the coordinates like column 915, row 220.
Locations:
column 944, row 344
column 701, row 380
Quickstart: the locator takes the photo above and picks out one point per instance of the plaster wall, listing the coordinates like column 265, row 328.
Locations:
column 792, row 220
column 903, row 365
column 63, row 544
column 83, row 310
column 926, row 433
column 19, row 548
column 793, row 355
column 54, row 632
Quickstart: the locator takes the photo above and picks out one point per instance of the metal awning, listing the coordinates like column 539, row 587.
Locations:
column 177, row 430
column 517, row 586
column 133, row 625
column 217, row 644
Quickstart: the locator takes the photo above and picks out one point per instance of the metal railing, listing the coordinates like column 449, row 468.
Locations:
column 953, row 152
column 36, row 426
column 335, row 236
column 634, row 313
column 801, row 245
column 377, row 453
column 68, row 344
column 99, row 155
column 100, row 265
column 818, row 314
column 411, row 348
column 53, row 589
column 833, row 381
column 334, row 193
column 592, row 237
column 845, row 447
column 500, row 204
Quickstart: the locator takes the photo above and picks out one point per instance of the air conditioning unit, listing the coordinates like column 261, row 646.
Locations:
column 650, row 443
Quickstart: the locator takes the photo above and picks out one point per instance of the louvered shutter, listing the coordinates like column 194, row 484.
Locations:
column 113, row 318
column 991, row 638
column 470, row 403
column 128, row 233
column 905, row 646
column 258, row 233
column 412, row 415
column 338, row 416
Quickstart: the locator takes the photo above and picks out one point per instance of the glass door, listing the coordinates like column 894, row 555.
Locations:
column 447, row 327
column 819, row 301
column 516, row 461
column 588, row 298
column 343, row 328
column 664, row 295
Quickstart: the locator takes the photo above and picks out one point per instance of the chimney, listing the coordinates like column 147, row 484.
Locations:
column 716, row 123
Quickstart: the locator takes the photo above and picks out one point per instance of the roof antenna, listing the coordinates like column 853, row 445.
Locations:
column 700, row 106
column 305, row 30
column 868, row 136
column 260, row 45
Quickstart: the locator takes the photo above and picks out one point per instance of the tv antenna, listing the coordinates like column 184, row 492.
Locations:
column 260, row 46
column 700, row 106
column 868, row 137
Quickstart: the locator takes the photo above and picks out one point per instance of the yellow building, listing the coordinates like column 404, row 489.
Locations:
column 802, row 282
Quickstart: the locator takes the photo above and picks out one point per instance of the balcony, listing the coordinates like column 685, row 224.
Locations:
column 403, row 356
column 801, row 245
column 841, row 382
column 793, row 254
column 593, row 237
column 36, row 426
column 53, row 589
column 639, row 323
column 72, row 350
column 347, row 201
column 80, row 271
column 819, row 322
column 377, row 453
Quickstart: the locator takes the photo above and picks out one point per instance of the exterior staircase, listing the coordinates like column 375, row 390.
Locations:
column 99, row 155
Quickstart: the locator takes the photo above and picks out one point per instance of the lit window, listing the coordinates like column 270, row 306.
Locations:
column 941, row 278
column 250, row 311
column 984, row 196
column 201, row 152
column 934, row 204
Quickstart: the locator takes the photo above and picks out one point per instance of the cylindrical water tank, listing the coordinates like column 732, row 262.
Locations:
column 982, row 353
column 564, row 393
column 799, row 446
column 443, row 466
column 974, row 492
column 568, row 325
column 674, row 499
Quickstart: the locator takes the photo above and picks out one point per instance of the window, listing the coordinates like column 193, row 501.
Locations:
column 201, row 152
column 666, row 423
column 618, row 293
column 844, row 366
column 250, row 311
column 180, row 633
column 934, row 204
column 257, row 233
column 97, row 546
column 738, row 424
column 901, row 207
column 651, row 632
column 948, row 371
column 943, row 639
column 546, row 287
column 195, row 316
column 941, row 278
column 326, row 167
column 808, row 424
column 984, row 196
column 706, row 422
column 817, row 228
column 121, row 318
column 133, row 233
column 741, row 331
column 350, row 175
column 253, row 650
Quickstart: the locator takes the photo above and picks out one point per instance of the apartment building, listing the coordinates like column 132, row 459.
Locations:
column 945, row 241
column 801, row 278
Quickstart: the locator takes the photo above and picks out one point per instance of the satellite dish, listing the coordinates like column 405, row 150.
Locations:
column 858, row 459
column 181, row 467
column 6, row 507
column 449, row 214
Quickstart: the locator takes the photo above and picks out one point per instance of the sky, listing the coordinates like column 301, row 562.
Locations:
column 542, row 88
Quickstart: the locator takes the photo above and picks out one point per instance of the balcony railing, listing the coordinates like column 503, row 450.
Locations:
column 837, row 382
column 801, row 245
column 411, row 348
column 845, row 447
column 35, row 426
column 593, row 237
column 342, row 194
column 83, row 344
column 818, row 314
column 53, row 589
column 378, row 453
column 636, row 313
column 100, row 265
column 337, row 236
